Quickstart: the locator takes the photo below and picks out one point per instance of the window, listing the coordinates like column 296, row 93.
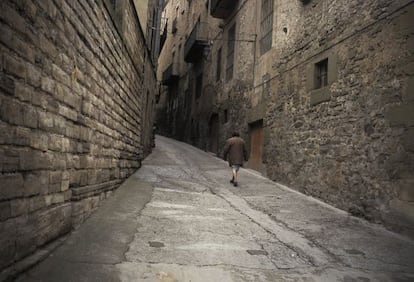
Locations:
column 266, row 26
column 225, row 116
column 199, row 85
column 266, row 85
column 321, row 74
column 218, row 70
column 230, row 52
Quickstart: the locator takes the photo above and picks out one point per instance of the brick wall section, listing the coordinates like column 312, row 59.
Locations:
column 75, row 92
column 352, row 146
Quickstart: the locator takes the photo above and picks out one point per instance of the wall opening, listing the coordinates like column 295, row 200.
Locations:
column 256, row 145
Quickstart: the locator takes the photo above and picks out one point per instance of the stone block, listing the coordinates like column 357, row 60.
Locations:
column 19, row 207
column 72, row 131
column 408, row 94
column 33, row 75
column 60, row 75
column 65, row 185
column 5, row 34
column 55, row 142
column 23, row 49
column 74, row 177
column 30, row 9
column 74, row 101
column 13, row 18
column 58, row 198
column 59, row 161
column 45, row 120
column 5, row 210
column 36, row 183
column 7, row 242
column 66, row 145
column 40, row 99
column 39, row 140
column 319, row 95
column 68, row 113
column 55, row 177
column 405, row 21
column 30, row 117
column 83, row 177
column 33, row 160
column 9, row 160
column 87, row 108
column 7, row 84
column 406, row 190
column 21, row 136
column 12, row 185
column 48, row 47
column 67, row 195
column 14, row 66
column 25, row 235
column 54, row 188
column 92, row 176
column 401, row 115
column 59, row 125
column 52, row 223
column 407, row 139
column 404, row 211
column 23, row 92
column 36, row 203
column 11, row 111
column 87, row 161
column 48, row 85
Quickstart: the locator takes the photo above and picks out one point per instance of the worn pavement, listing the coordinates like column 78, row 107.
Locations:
column 179, row 219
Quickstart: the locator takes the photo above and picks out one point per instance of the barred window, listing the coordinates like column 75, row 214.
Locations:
column 321, row 74
column 230, row 52
column 266, row 26
column 218, row 70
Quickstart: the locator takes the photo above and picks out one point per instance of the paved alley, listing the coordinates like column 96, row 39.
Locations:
column 179, row 219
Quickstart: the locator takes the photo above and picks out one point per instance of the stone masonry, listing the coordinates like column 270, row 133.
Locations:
column 350, row 142
column 76, row 96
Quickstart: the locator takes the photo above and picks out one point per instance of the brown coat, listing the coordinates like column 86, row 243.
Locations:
column 235, row 151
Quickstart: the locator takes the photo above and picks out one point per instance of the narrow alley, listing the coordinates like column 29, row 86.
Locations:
column 179, row 219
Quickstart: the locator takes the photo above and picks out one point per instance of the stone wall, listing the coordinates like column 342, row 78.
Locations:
column 76, row 97
column 349, row 143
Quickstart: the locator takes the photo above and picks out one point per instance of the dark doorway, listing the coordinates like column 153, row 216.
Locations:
column 213, row 135
column 256, row 145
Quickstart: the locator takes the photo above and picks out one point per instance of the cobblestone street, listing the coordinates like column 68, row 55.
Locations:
column 179, row 219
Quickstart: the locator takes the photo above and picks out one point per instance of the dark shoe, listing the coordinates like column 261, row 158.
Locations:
column 234, row 184
column 232, row 181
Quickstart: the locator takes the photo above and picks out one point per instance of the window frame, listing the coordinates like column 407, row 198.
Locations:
column 231, row 44
column 266, row 25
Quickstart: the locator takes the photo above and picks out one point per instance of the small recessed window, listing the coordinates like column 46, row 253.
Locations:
column 321, row 74
column 225, row 116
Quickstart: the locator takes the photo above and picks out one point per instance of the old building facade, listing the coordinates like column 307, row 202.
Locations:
column 321, row 90
column 76, row 110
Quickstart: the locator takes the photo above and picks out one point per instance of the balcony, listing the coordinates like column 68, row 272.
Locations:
column 170, row 75
column 222, row 8
column 195, row 44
